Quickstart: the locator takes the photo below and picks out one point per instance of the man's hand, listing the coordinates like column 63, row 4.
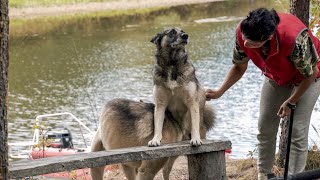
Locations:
column 213, row 94
column 285, row 109
column 235, row 73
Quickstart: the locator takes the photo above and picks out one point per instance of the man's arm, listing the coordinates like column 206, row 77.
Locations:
column 299, row 91
column 234, row 74
column 305, row 59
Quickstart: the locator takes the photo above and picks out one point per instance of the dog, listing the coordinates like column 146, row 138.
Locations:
column 176, row 87
column 126, row 123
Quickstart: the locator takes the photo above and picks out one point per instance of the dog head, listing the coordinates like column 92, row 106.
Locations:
column 174, row 38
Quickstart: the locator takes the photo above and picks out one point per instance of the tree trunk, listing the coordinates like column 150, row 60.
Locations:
column 4, row 62
column 299, row 8
column 280, row 160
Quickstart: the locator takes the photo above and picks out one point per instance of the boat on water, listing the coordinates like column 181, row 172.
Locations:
column 49, row 142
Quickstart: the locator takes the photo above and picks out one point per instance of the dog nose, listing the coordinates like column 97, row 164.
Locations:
column 184, row 36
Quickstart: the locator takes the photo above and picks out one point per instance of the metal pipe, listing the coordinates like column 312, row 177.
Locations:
column 286, row 168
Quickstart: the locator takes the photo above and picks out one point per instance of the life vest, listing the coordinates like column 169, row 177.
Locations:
column 277, row 65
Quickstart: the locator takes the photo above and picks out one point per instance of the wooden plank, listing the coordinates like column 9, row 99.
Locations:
column 207, row 166
column 97, row 159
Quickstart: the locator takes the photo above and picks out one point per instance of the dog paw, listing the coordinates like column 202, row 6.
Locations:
column 195, row 142
column 154, row 143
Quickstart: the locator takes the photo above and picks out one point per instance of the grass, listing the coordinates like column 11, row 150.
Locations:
column 242, row 169
column 42, row 25
column 246, row 169
column 36, row 3
column 315, row 13
column 313, row 161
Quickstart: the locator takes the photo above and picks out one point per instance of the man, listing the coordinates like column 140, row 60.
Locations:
column 287, row 53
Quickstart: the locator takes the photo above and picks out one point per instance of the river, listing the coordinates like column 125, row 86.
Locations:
column 79, row 66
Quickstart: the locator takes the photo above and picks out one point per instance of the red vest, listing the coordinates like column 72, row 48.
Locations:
column 277, row 65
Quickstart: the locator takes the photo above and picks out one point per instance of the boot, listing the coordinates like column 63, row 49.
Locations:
column 262, row 176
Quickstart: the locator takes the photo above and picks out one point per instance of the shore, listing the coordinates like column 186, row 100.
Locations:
column 81, row 8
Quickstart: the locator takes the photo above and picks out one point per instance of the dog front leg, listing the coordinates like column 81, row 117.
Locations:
column 158, row 124
column 195, row 125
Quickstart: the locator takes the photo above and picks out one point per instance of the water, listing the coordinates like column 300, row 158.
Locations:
column 77, row 67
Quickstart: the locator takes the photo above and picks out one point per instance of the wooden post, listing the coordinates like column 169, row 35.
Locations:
column 207, row 166
column 4, row 62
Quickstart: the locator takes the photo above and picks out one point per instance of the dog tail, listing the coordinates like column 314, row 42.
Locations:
column 209, row 117
column 96, row 144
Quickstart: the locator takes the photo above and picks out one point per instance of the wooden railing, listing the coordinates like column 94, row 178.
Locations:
column 205, row 162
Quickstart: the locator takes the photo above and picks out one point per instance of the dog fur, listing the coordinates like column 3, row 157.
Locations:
column 176, row 86
column 125, row 123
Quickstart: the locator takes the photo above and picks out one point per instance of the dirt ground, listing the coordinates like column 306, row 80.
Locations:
column 244, row 169
column 179, row 171
column 31, row 12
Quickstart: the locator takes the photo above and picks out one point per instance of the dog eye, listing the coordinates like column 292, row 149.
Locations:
column 173, row 32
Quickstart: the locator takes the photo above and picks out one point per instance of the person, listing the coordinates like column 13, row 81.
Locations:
column 287, row 54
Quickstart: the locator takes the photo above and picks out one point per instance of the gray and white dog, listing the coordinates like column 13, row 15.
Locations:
column 176, row 87
column 179, row 98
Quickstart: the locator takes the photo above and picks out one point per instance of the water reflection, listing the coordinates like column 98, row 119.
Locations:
column 79, row 65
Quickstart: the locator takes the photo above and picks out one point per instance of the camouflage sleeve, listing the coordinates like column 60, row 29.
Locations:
column 239, row 57
column 304, row 55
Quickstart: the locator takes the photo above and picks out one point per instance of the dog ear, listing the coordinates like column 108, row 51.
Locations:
column 157, row 39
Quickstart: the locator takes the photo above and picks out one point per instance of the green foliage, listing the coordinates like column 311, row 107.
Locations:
column 251, row 154
column 42, row 25
column 315, row 16
column 313, row 161
column 43, row 142
column 33, row 3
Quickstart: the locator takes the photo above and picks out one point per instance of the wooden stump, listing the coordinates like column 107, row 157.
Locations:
column 207, row 166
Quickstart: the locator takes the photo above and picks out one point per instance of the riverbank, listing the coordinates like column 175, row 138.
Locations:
column 91, row 7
